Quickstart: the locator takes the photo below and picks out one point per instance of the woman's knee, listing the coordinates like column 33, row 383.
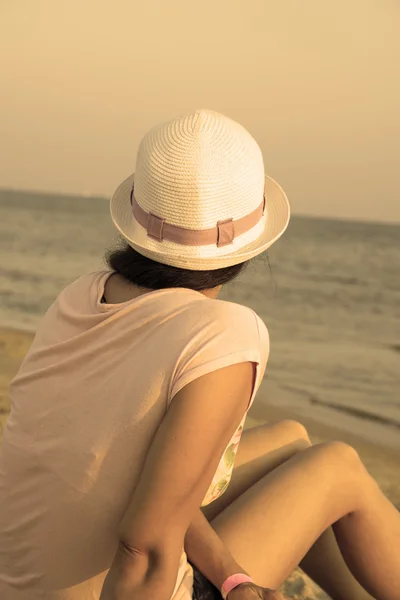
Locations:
column 295, row 429
column 334, row 450
column 340, row 454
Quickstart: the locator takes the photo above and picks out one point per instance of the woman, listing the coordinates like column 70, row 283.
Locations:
column 116, row 466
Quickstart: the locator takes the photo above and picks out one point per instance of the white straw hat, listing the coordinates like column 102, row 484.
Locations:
column 199, row 198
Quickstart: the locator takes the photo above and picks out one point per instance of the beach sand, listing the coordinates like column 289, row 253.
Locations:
column 381, row 461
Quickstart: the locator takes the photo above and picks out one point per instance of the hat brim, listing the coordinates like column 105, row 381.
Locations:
column 278, row 216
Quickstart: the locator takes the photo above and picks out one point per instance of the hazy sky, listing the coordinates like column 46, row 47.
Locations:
column 317, row 83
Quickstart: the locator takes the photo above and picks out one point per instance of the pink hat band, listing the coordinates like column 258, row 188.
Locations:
column 222, row 234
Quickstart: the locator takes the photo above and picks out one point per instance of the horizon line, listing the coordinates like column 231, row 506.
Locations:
column 304, row 215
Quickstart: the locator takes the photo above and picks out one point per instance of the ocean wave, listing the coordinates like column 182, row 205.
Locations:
column 338, row 279
column 350, row 410
column 356, row 412
column 19, row 275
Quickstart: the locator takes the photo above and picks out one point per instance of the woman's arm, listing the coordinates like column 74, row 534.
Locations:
column 139, row 576
column 206, row 550
column 179, row 467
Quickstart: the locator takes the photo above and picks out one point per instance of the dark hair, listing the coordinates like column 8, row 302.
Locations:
column 147, row 273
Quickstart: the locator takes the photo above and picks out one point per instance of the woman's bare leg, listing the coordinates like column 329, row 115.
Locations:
column 270, row 527
column 262, row 449
column 325, row 565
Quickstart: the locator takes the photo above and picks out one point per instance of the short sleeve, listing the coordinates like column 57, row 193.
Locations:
column 227, row 334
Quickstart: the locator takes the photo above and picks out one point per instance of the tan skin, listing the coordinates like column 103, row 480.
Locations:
column 262, row 449
column 267, row 457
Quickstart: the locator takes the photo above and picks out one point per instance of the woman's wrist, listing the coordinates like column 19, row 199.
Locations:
column 239, row 592
column 238, row 588
column 219, row 572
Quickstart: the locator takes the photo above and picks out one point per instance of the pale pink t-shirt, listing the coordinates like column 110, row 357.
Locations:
column 85, row 406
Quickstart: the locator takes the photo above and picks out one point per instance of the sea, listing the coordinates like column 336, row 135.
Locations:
column 328, row 291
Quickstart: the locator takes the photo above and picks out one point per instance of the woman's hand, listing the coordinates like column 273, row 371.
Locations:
column 251, row 591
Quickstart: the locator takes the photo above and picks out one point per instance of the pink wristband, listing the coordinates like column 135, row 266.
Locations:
column 232, row 582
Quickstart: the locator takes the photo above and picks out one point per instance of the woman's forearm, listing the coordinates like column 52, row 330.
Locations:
column 148, row 575
column 206, row 550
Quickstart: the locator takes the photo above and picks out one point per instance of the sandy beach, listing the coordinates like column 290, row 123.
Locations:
column 381, row 461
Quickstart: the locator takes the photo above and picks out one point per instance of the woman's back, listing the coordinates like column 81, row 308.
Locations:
column 86, row 404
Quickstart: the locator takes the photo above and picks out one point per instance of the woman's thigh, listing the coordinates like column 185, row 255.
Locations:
column 261, row 450
column 272, row 525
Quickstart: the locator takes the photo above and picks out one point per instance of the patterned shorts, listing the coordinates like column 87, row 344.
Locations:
column 202, row 588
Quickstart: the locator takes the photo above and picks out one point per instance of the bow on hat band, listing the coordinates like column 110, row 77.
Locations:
column 222, row 234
